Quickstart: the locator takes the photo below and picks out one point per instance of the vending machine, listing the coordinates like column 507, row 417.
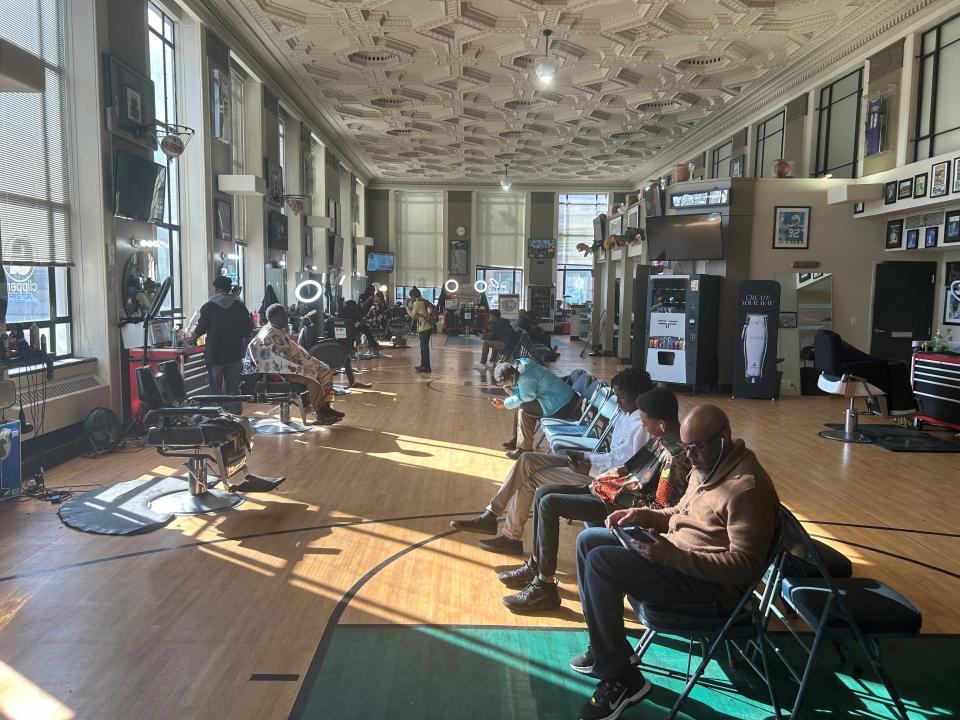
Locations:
column 682, row 329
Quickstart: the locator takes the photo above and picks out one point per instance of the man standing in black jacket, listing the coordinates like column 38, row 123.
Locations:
column 225, row 320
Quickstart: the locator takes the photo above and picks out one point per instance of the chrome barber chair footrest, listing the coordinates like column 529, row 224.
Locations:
column 839, row 434
column 184, row 502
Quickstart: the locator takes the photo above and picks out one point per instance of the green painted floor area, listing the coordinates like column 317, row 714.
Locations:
column 426, row 673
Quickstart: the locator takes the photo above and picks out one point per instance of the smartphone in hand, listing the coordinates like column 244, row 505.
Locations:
column 631, row 536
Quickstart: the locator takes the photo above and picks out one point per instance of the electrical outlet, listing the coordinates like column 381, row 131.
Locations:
column 853, row 320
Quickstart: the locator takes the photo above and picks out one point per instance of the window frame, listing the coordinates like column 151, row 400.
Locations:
column 564, row 270
column 493, row 298
column 716, row 160
column 932, row 132
column 821, row 130
column 758, row 162
column 53, row 319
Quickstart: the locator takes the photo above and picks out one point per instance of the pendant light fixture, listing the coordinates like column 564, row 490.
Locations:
column 546, row 66
column 505, row 181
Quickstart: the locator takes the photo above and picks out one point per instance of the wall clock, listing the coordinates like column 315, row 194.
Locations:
column 460, row 231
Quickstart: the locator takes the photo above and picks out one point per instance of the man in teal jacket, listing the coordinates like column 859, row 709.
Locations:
column 535, row 392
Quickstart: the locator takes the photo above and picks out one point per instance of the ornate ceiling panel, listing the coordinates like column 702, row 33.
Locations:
column 445, row 91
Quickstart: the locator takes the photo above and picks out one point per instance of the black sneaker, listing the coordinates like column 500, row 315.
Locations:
column 336, row 413
column 612, row 697
column 326, row 416
column 535, row 597
column 510, row 444
column 519, row 577
column 480, row 524
column 503, row 545
column 583, row 663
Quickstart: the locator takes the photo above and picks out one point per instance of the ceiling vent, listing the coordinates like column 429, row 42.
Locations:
column 656, row 106
column 370, row 58
column 627, row 134
column 523, row 104
column 700, row 61
column 513, row 134
column 389, row 102
column 403, row 132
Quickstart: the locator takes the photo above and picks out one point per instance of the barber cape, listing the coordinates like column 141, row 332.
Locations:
column 272, row 350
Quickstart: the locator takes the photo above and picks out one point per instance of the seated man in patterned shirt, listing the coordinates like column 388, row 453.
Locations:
column 273, row 351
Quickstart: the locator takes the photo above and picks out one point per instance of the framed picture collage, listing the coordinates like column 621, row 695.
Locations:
column 923, row 230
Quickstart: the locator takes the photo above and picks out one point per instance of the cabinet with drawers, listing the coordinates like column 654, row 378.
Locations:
column 936, row 384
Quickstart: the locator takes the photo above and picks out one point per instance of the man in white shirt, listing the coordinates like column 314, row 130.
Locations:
column 515, row 497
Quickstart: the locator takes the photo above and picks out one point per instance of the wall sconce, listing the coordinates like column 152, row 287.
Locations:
column 145, row 242
column 229, row 256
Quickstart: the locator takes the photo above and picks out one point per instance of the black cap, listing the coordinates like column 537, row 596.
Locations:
column 222, row 282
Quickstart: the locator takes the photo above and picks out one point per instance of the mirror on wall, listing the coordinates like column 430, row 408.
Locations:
column 276, row 278
column 806, row 305
column 141, row 283
column 229, row 269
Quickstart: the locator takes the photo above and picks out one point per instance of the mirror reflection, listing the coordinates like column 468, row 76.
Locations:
column 806, row 305
column 141, row 282
column 230, row 270
column 276, row 279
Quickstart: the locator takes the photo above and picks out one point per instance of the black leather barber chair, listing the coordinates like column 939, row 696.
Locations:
column 852, row 373
column 204, row 435
column 335, row 354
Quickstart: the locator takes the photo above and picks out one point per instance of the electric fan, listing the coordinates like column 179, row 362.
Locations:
column 102, row 428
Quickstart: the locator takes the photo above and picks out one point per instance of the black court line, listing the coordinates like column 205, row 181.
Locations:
column 922, row 564
column 914, row 531
column 274, row 677
column 320, row 654
column 218, row 541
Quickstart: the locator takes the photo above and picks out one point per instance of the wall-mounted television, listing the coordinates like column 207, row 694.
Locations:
column 686, row 237
column 380, row 262
column 277, row 230
column 139, row 188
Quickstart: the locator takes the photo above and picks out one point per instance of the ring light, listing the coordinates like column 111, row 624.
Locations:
column 454, row 283
column 298, row 293
column 480, row 286
column 493, row 283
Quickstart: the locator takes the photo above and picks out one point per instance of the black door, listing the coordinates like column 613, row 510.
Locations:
column 903, row 298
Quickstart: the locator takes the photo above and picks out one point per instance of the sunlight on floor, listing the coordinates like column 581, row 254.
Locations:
column 20, row 699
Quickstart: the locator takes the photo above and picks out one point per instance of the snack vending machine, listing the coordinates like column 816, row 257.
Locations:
column 682, row 329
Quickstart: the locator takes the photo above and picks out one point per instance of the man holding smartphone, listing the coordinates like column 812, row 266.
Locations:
column 706, row 550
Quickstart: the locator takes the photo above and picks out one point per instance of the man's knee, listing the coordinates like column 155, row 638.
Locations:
column 590, row 539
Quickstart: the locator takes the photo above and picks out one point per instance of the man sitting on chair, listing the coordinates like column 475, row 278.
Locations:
column 535, row 469
column 706, row 551
column 273, row 351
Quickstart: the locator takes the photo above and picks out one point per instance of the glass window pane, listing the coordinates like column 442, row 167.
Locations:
column 773, row 124
column 822, row 141
column 843, row 132
column 923, row 149
column 947, row 112
column 946, row 142
column 64, row 339
column 62, row 291
column 846, row 86
column 28, row 293
column 950, row 32
column 929, row 41
column 154, row 18
column 926, row 96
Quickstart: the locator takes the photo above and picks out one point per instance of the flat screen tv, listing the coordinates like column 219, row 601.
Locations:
column 277, row 230
column 380, row 262
column 685, row 237
column 139, row 188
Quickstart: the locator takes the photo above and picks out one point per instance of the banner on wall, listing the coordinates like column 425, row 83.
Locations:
column 755, row 360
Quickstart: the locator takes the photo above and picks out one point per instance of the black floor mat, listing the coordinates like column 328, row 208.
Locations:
column 901, row 439
column 259, row 483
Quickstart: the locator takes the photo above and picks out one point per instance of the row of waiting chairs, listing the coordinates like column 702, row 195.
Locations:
column 591, row 430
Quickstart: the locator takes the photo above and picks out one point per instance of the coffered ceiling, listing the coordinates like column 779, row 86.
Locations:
column 444, row 91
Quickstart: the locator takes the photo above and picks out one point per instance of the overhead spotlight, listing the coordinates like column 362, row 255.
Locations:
column 283, row 263
column 646, row 188
column 505, row 181
column 546, row 66
column 451, row 286
column 313, row 268
column 229, row 256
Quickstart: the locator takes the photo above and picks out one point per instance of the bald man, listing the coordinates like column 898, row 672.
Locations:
column 708, row 549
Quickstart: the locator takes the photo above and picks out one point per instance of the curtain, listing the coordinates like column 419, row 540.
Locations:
column 419, row 239
column 501, row 229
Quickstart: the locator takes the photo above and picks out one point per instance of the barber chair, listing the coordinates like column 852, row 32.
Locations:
column 849, row 387
column 207, row 437
column 269, row 389
column 336, row 355
column 890, row 392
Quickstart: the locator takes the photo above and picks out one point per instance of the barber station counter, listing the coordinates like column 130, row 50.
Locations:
column 936, row 384
column 193, row 366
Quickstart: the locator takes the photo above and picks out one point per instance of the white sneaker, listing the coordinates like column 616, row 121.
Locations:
column 480, row 366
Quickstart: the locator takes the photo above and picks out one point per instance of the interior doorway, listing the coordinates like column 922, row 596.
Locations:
column 903, row 301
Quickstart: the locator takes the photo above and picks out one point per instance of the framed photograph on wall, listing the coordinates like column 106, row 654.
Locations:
column 913, row 239
column 791, row 228
column 223, row 219
column 920, row 185
column 905, row 189
column 273, row 174
column 858, row 208
column 459, row 256
column 940, row 179
column 951, row 227
column 930, row 236
column 220, row 104
column 894, row 234
column 736, row 167
column 890, row 193
column 951, row 304
column 956, row 175
column 129, row 102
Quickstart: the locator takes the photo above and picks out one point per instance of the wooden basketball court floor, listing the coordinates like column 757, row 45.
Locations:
column 233, row 615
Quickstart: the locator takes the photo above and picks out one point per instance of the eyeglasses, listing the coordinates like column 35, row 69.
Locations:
column 698, row 447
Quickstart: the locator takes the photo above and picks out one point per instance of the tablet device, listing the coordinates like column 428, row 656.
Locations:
column 629, row 536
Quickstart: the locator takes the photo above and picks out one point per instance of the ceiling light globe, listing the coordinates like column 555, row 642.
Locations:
column 506, row 183
column 546, row 70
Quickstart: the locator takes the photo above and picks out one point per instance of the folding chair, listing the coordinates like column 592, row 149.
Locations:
column 597, row 393
column 841, row 610
column 600, row 428
column 745, row 622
